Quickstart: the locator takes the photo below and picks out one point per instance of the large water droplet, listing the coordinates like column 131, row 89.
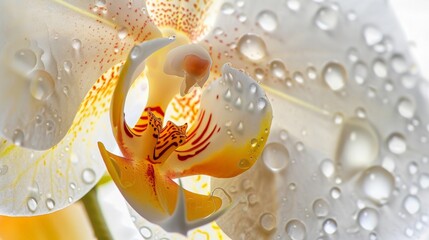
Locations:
column 372, row 35
column 88, row 176
column 293, row 5
column 334, row 76
column 424, row 180
column 406, row 108
column 42, row 85
column 398, row 63
column 380, row 69
column 335, row 193
column 50, row 203
column 368, row 218
column 252, row 47
column 32, row 204
column 278, row 69
column 122, row 33
column 327, row 17
column 25, row 60
column 18, row 137
column 358, row 146
column 267, row 20
column 360, row 72
column 275, row 156
column 76, row 44
column 145, row 232
column 411, row 204
column 227, row 8
column 135, row 52
column 329, row 226
column 327, row 168
column 396, row 143
column 295, row 229
column 377, row 184
column 320, row 208
column 268, row 221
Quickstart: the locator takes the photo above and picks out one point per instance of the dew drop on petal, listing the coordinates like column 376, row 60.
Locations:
column 135, row 52
column 262, row 103
column 227, row 8
column 406, row 107
column 145, row 232
column 335, row 193
column 18, row 137
column 334, row 75
column 296, row 230
column 88, row 176
column 424, row 180
column 267, row 20
column 329, row 226
column 293, row 5
column 50, row 203
column 252, row 47
column 372, row 35
column 76, row 44
column 268, row 221
column 411, row 204
column 360, row 72
column 379, row 68
column 327, row 17
column 298, row 77
column 42, row 85
column 24, row 60
column 32, row 204
column 122, row 33
column 377, row 184
column 368, row 218
column 244, row 164
column 327, row 168
column 396, row 143
column 278, row 69
column 275, row 156
column 100, row 3
column 320, row 208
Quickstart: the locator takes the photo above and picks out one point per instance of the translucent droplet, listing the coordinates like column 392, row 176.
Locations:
column 50, row 203
column 88, row 176
column 278, row 69
column 122, row 33
column 398, row 63
column 329, row 226
column 293, row 5
column 32, row 204
column 320, row 208
column 259, row 74
column 368, row 218
column 242, row 17
column 252, row 47
column 327, row 17
column 284, row 135
column 352, row 54
column 267, row 20
column 360, row 72
column 411, row 204
column 380, row 69
column 396, row 143
column 18, row 137
column 228, row 95
column 295, row 229
column 360, row 112
column 244, row 164
column 413, row 168
column 50, row 126
column 227, row 8
column 335, row 193
column 311, row 73
column 76, row 44
column 372, row 35
column 275, row 156
column 68, row 66
column 100, row 3
column 424, row 180
column 252, row 198
column 292, row 186
column 145, row 232
column 25, row 60
column 253, row 88
column 358, row 146
column 42, row 85
column 338, row 118
column 334, row 76
column 327, row 168
column 298, row 77
column 377, row 184
column 406, row 108
column 135, row 52
column 268, row 221
column 262, row 103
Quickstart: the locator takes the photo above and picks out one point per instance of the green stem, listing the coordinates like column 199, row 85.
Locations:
column 95, row 215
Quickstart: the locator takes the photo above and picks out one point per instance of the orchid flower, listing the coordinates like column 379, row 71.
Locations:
column 347, row 154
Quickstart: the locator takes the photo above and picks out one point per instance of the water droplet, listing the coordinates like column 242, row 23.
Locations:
column 50, row 126
column 18, row 137
column 100, row 3
column 372, row 35
column 358, row 146
column 327, row 17
column 259, row 74
column 244, row 164
column 252, row 47
column 267, row 20
column 284, row 135
column 335, row 193
column 122, row 33
column 360, row 112
column 320, row 208
column 292, row 186
column 76, row 44
column 329, row 226
column 406, row 107
column 298, row 77
column 68, row 66
column 360, row 72
column 293, row 5
column 252, row 198
column 50, row 203
column 424, row 180
column 145, row 232
column 32, row 204
column 295, row 229
column 398, row 63
column 135, row 52
column 411, row 204
column 275, row 156
column 311, row 73
column 351, row 16
column 396, row 143
column 25, row 60
column 299, row 146
column 262, row 103
column 338, row 118
column 228, row 95
column 42, row 85
column 242, row 17
column 327, row 168
column 278, row 69
column 379, row 68
column 334, row 76
column 268, row 221
column 368, row 218
column 253, row 88
column 88, row 176
column 352, row 54
column 227, row 9
column 377, row 184
column 413, row 168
